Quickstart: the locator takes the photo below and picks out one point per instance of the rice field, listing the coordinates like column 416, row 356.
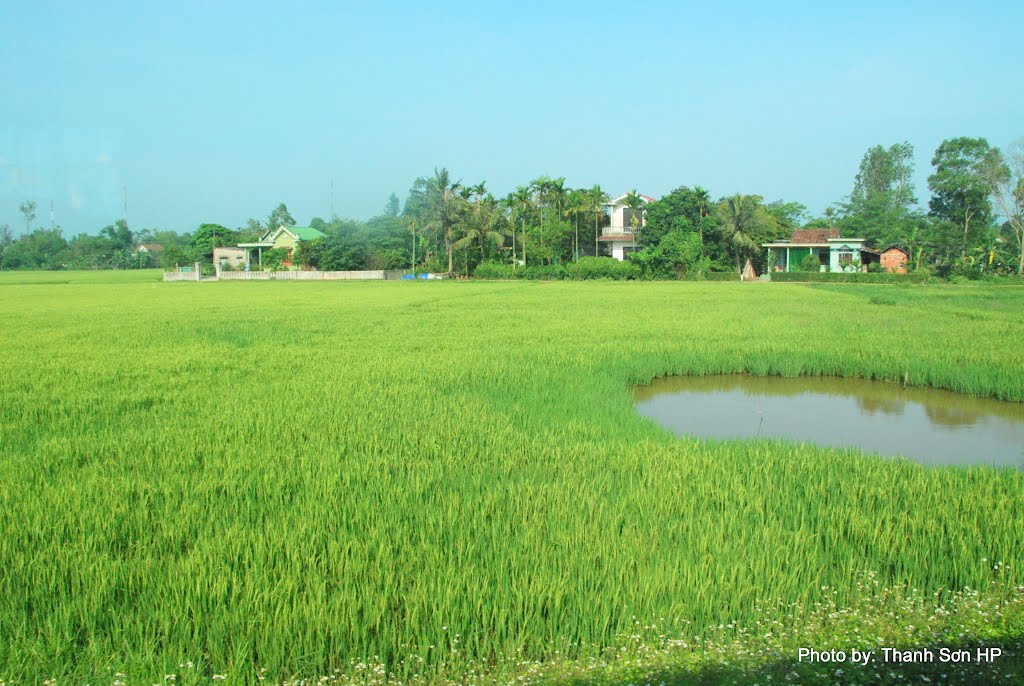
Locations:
column 443, row 481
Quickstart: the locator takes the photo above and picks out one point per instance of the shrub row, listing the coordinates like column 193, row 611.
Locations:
column 850, row 277
column 720, row 276
column 588, row 268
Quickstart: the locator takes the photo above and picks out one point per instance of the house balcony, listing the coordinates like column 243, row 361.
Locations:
column 617, row 231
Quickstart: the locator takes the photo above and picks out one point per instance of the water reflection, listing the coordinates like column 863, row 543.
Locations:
column 931, row 426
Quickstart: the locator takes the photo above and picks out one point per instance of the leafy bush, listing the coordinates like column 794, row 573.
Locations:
column 722, row 276
column 1003, row 279
column 494, row 270
column 547, row 272
column 810, row 263
column 601, row 268
column 850, row 277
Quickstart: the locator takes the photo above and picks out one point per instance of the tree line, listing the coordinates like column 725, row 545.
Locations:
column 972, row 224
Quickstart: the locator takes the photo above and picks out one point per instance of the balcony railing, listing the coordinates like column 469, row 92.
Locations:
column 617, row 230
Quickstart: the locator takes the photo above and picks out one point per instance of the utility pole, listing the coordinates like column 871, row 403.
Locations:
column 53, row 219
column 124, row 204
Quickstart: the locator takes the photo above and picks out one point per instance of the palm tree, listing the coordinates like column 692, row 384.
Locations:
column 830, row 214
column 411, row 222
column 485, row 225
column 519, row 203
column 437, row 195
column 596, row 199
column 703, row 198
column 575, row 205
column 541, row 187
column 635, row 203
column 739, row 221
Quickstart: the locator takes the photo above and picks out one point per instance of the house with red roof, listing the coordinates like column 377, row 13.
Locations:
column 832, row 252
column 624, row 227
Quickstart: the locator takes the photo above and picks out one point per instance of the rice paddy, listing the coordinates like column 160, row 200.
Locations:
column 441, row 481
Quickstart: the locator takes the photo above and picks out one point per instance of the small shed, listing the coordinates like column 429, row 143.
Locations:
column 894, row 260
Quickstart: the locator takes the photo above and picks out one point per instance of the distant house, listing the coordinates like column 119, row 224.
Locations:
column 834, row 253
column 148, row 249
column 283, row 237
column 226, row 257
column 622, row 232
column 894, row 259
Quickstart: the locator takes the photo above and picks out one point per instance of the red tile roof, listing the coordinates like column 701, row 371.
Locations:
column 813, row 235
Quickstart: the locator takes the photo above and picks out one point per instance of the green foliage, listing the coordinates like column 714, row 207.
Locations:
column 39, row 249
column 494, row 270
column 680, row 211
column 721, row 276
column 602, row 268
column 961, row 188
column 210, row 236
column 273, row 258
column 810, row 263
column 743, row 225
column 677, row 254
column 851, row 277
column 541, row 272
column 279, row 217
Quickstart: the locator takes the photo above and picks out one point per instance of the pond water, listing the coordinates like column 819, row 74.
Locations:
column 931, row 426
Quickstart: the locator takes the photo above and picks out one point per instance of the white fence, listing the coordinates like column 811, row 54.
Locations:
column 181, row 276
column 378, row 275
column 300, row 276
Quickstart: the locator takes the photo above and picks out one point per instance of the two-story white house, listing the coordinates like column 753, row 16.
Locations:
column 625, row 224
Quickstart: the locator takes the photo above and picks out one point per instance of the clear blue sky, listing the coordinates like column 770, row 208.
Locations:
column 219, row 113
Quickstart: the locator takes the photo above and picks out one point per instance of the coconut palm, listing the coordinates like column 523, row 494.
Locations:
column 635, row 203
column 541, row 187
column 576, row 204
column 519, row 203
column 484, row 227
column 437, row 195
column 739, row 221
column 596, row 199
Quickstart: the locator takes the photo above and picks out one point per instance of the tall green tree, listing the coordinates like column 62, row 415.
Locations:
column 438, row 196
column 681, row 210
column 960, row 185
column 119, row 235
column 596, row 199
column 576, row 205
column 881, row 206
column 38, row 249
column 1006, row 184
column 744, row 224
column 541, row 188
column 519, row 203
column 6, row 238
column 210, row 236
column 28, row 210
column 485, row 224
column 279, row 217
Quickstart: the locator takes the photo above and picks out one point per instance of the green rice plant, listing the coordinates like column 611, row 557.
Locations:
column 439, row 480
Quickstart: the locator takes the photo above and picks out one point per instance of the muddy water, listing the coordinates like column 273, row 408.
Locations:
column 931, row 426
